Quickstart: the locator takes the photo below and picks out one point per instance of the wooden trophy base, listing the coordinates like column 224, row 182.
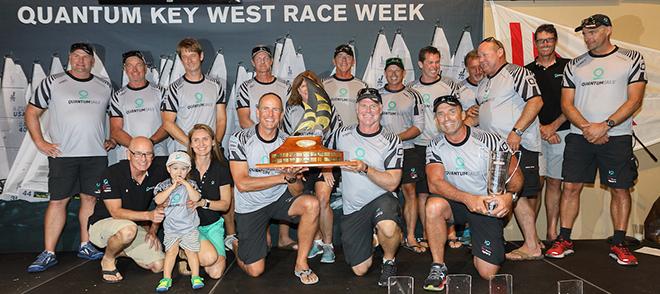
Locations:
column 305, row 151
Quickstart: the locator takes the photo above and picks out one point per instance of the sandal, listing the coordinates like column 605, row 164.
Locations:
column 519, row 255
column 455, row 243
column 164, row 284
column 197, row 282
column 416, row 248
column 423, row 242
column 312, row 278
column 114, row 273
column 293, row 246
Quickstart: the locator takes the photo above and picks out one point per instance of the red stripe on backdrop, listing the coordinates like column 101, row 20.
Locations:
column 536, row 51
column 516, row 44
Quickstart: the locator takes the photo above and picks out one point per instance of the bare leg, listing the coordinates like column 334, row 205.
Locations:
column 170, row 258
column 552, row 198
column 486, row 270
column 213, row 264
column 54, row 221
column 323, row 192
column 438, row 213
column 421, row 204
column 524, row 213
column 620, row 208
column 570, row 204
column 193, row 262
column 307, row 207
column 284, row 238
column 230, row 218
column 87, row 203
column 389, row 236
column 410, row 214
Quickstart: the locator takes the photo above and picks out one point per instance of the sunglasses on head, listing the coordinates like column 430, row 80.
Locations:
column 136, row 53
column 449, row 99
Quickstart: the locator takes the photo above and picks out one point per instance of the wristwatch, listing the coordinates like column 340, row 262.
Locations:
column 517, row 132
column 514, row 197
column 290, row 180
column 610, row 123
column 207, row 204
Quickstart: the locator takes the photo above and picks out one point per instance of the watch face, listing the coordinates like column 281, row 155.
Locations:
column 610, row 123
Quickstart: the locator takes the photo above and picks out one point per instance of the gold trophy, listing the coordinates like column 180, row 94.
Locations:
column 305, row 147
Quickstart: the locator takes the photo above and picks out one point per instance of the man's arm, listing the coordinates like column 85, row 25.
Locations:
column 117, row 131
column 549, row 130
column 116, row 211
column 435, row 174
column 409, row 133
column 244, row 117
column 635, row 96
column 32, row 114
column 388, row 179
column 220, row 122
column 169, row 124
column 529, row 113
column 159, row 135
column 245, row 183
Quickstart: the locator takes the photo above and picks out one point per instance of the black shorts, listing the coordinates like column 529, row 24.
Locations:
column 68, row 176
column 315, row 175
column 422, row 186
column 251, row 227
column 357, row 228
column 614, row 161
column 487, row 233
column 412, row 165
column 529, row 166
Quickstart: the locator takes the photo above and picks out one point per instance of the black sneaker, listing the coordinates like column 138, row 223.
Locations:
column 437, row 278
column 388, row 269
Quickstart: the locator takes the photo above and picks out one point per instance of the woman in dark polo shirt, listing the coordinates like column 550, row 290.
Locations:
column 211, row 172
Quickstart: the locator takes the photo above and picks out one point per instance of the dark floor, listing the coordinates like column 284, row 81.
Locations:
column 591, row 264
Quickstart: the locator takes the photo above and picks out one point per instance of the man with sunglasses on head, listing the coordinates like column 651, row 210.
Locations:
column 135, row 109
column 342, row 87
column 602, row 90
column 122, row 222
column 456, row 167
column 548, row 69
column 76, row 101
column 509, row 102
column 368, row 200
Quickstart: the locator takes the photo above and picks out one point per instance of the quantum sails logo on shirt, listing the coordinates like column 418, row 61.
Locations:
column 199, row 101
column 139, row 107
column 460, row 169
column 597, row 78
column 83, row 98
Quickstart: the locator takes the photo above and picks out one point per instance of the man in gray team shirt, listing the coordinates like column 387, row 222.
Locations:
column 263, row 194
column 77, row 154
column 368, row 201
column 135, row 109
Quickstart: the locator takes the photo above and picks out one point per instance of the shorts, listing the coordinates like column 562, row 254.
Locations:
column 188, row 241
column 412, row 164
column 251, row 227
column 357, row 228
column 614, row 161
column 214, row 233
column 529, row 166
column 315, row 175
column 68, row 176
column 487, row 233
column 138, row 250
column 422, row 185
column 551, row 157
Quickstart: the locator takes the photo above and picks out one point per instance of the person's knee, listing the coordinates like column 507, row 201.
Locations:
column 408, row 190
column 572, row 189
column 362, row 268
column 254, row 270
column 311, row 205
column 156, row 266
column 58, row 204
column 127, row 234
column 388, row 229
column 486, row 270
column 215, row 271
column 436, row 207
column 207, row 258
column 621, row 194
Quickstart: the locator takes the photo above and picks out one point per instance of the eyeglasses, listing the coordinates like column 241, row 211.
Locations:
column 137, row 154
column 136, row 53
column 545, row 41
column 449, row 99
column 369, row 93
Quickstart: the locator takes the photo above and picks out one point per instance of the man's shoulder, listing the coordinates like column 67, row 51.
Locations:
column 102, row 81
column 630, row 54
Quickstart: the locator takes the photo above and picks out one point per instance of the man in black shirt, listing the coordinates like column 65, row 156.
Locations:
column 548, row 68
column 125, row 192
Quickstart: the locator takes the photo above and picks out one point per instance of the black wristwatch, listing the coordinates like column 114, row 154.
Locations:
column 610, row 123
column 207, row 204
column 290, row 180
column 517, row 132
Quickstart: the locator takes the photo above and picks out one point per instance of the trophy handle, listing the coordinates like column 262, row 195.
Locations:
column 517, row 165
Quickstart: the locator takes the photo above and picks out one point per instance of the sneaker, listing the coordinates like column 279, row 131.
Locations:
column 622, row 255
column 437, row 278
column 317, row 249
column 88, row 251
column 560, row 248
column 164, row 284
column 328, row 254
column 388, row 270
column 44, row 261
column 197, row 282
column 229, row 242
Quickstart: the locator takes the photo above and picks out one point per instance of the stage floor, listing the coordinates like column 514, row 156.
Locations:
column 591, row 264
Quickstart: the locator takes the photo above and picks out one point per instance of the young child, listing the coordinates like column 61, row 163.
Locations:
column 180, row 224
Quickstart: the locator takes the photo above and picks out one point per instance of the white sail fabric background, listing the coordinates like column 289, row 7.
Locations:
column 464, row 47
column 290, row 63
column 12, row 108
column 515, row 30
column 399, row 49
column 439, row 41
column 232, row 126
column 374, row 74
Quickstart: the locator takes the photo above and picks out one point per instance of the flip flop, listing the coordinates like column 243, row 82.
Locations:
column 519, row 255
column 416, row 248
column 454, row 243
column 293, row 246
column 307, row 273
column 113, row 272
column 423, row 242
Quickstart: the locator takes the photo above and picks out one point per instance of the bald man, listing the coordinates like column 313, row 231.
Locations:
column 122, row 222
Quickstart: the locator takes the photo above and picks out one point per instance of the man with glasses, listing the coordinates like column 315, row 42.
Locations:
column 135, row 109
column 403, row 115
column 548, row 69
column 368, row 202
column 193, row 99
column 602, row 90
column 122, row 222
column 77, row 154
column 509, row 102
column 456, row 164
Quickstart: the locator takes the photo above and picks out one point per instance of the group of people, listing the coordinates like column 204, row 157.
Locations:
column 562, row 119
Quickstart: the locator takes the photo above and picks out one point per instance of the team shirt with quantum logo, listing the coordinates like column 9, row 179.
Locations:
column 194, row 103
column 430, row 91
column 343, row 94
column 247, row 145
column 401, row 110
column 294, row 114
column 381, row 150
column 77, row 110
column 251, row 90
column 502, row 98
column 601, row 85
column 467, row 93
column 140, row 110
column 179, row 219
column 466, row 163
